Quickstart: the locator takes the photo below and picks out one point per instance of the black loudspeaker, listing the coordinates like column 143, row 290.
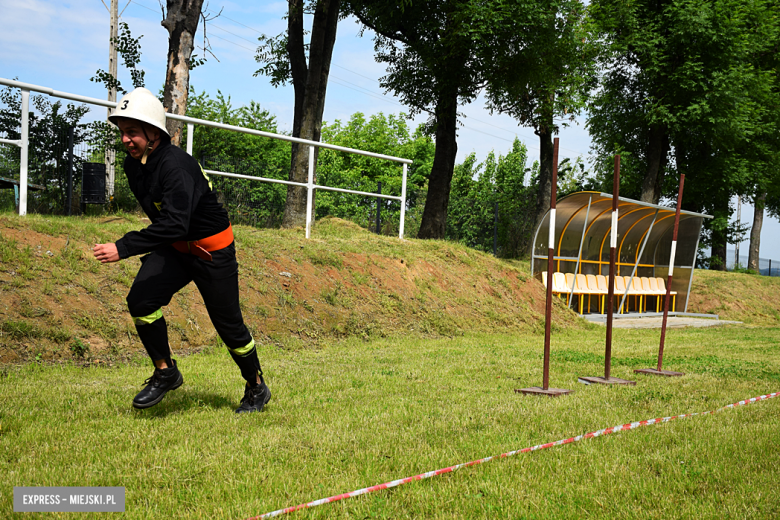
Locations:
column 93, row 183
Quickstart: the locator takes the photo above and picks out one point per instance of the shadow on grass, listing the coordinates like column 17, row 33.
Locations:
column 184, row 400
column 703, row 364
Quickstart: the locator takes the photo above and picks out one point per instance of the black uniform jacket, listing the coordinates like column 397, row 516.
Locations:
column 175, row 194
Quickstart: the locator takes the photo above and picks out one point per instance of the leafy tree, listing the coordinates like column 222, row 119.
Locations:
column 573, row 177
column 479, row 189
column 543, row 80
column 765, row 193
column 681, row 82
column 388, row 135
column 180, row 19
column 441, row 54
column 130, row 50
column 233, row 152
column 288, row 58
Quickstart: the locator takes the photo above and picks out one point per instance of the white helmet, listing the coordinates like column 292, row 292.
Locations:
column 141, row 105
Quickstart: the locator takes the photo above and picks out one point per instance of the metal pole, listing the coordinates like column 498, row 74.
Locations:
column 110, row 155
column 658, row 371
column 579, row 254
column 190, row 137
column 378, row 207
column 550, row 254
column 113, row 35
column 611, row 285
column 608, row 379
column 546, row 390
column 770, row 267
column 403, row 203
column 636, row 264
column 495, row 229
column 671, row 271
column 70, row 170
column 25, row 152
column 310, row 192
column 738, row 238
column 203, row 122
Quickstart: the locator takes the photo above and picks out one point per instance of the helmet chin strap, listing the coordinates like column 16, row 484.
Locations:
column 149, row 147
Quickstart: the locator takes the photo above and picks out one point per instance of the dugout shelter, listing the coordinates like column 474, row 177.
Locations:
column 582, row 237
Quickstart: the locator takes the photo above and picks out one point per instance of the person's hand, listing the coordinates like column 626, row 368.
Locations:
column 106, row 253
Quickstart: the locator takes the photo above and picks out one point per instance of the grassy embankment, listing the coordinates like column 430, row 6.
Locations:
column 394, row 397
column 59, row 303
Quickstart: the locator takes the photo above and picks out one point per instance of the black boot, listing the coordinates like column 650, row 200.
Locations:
column 255, row 398
column 162, row 380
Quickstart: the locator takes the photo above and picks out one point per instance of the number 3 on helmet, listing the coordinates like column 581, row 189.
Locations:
column 141, row 105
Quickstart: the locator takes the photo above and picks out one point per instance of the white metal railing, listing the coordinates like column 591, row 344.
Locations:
column 23, row 143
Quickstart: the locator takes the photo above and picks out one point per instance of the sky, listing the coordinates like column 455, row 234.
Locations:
column 61, row 45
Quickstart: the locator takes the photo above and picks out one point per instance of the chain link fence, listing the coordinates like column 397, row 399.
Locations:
column 54, row 172
column 766, row 266
column 78, row 170
column 497, row 224
column 9, row 174
column 249, row 202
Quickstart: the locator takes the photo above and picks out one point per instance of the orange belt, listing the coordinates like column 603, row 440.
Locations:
column 201, row 248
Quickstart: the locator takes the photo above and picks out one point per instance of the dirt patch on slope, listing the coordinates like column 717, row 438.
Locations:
column 58, row 303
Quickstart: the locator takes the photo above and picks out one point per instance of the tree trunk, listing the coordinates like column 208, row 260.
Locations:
column 545, row 133
column 434, row 219
column 755, row 232
column 719, row 235
column 657, row 151
column 181, row 21
column 310, row 83
column 718, row 251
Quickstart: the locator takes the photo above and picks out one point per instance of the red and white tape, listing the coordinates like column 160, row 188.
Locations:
column 605, row 431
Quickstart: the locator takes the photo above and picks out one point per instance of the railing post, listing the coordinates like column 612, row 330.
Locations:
column 190, row 137
column 310, row 192
column 403, row 203
column 25, row 155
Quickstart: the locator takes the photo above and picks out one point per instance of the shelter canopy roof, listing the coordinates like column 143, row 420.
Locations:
column 582, row 231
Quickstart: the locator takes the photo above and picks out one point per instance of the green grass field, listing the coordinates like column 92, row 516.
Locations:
column 359, row 413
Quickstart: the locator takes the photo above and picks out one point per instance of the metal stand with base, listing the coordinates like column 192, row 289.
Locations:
column 608, row 379
column 657, row 371
column 545, row 390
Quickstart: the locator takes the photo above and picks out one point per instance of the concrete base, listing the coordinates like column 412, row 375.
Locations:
column 605, row 381
column 654, row 372
column 538, row 390
column 655, row 321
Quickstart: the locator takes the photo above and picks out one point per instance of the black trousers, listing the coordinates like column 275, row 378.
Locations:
column 166, row 271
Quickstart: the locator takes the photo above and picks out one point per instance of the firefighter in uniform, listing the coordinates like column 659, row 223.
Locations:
column 189, row 239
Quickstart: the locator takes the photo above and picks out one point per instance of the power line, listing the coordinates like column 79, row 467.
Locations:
column 345, row 83
column 214, row 26
column 145, row 7
column 238, row 23
column 468, row 117
column 234, row 43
